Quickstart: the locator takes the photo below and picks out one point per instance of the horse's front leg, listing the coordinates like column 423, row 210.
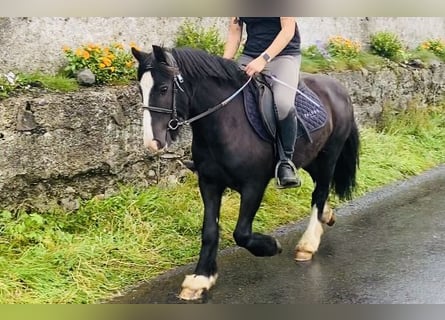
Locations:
column 205, row 274
column 258, row 244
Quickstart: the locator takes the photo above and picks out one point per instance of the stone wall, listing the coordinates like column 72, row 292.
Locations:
column 35, row 43
column 58, row 148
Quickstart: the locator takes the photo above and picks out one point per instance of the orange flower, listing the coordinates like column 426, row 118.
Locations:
column 65, row 48
column 85, row 55
column 101, row 65
column 106, row 61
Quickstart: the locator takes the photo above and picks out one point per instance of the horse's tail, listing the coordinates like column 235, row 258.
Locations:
column 344, row 180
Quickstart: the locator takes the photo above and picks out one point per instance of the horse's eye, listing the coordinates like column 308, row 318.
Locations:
column 163, row 89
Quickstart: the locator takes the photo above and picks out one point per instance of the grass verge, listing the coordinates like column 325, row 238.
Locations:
column 91, row 254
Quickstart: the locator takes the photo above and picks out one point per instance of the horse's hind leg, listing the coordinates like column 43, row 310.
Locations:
column 321, row 214
column 205, row 274
column 258, row 244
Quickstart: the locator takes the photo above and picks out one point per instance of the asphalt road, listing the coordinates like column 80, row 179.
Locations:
column 387, row 247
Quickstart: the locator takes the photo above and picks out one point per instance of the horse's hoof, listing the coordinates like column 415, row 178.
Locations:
column 194, row 286
column 303, row 256
column 190, row 294
column 331, row 221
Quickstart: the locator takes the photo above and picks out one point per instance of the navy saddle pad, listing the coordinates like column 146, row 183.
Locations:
column 311, row 112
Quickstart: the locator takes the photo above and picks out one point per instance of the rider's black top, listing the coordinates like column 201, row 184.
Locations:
column 261, row 31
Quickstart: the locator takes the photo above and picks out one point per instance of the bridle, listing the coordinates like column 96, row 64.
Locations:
column 175, row 122
column 172, row 66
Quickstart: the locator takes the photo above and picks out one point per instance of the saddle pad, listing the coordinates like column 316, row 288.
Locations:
column 311, row 115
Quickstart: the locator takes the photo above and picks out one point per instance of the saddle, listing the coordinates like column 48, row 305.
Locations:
column 262, row 113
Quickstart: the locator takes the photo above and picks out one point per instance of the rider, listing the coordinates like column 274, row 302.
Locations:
column 273, row 47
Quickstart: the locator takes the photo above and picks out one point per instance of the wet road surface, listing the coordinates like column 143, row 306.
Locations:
column 386, row 247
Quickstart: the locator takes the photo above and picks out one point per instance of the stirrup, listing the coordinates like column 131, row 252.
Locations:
column 277, row 179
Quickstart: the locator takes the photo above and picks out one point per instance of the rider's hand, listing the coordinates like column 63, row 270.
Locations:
column 255, row 66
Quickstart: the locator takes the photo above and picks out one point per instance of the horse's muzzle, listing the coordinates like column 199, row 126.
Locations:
column 153, row 145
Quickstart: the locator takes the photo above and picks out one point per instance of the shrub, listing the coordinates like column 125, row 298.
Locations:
column 436, row 46
column 387, row 45
column 315, row 58
column 344, row 48
column 194, row 36
column 110, row 64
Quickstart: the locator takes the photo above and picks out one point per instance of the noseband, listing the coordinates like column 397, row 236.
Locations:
column 174, row 122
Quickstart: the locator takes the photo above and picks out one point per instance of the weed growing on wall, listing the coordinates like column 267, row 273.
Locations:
column 110, row 64
column 436, row 46
column 208, row 39
column 7, row 84
column 341, row 47
column 387, row 44
column 315, row 58
column 195, row 36
column 11, row 82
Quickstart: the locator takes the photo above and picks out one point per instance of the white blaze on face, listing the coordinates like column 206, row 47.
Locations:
column 146, row 83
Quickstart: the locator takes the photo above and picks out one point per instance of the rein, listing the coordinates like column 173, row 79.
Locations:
column 217, row 107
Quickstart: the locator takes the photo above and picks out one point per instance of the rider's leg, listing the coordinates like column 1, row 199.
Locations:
column 286, row 69
column 287, row 130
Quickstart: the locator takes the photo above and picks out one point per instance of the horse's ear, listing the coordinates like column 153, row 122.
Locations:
column 137, row 54
column 159, row 54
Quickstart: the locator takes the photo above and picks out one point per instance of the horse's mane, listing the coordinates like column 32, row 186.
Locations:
column 198, row 64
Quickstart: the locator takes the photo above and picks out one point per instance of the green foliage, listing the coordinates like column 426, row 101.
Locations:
column 315, row 52
column 319, row 58
column 413, row 121
column 387, row 45
column 315, row 58
column 6, row 86
column 435, row 46
column 51, row 82
column 415, row 137
column 29, row 229
column 110, row 64
column 423, row 55
column 344, row 48
column 12, row 83
column 195, row 36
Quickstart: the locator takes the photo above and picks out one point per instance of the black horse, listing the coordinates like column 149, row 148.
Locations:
column 188, row 86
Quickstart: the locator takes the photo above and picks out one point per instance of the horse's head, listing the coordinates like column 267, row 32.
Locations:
column 159, row 79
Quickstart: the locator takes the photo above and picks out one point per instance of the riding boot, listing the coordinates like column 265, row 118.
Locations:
column 286, row 171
